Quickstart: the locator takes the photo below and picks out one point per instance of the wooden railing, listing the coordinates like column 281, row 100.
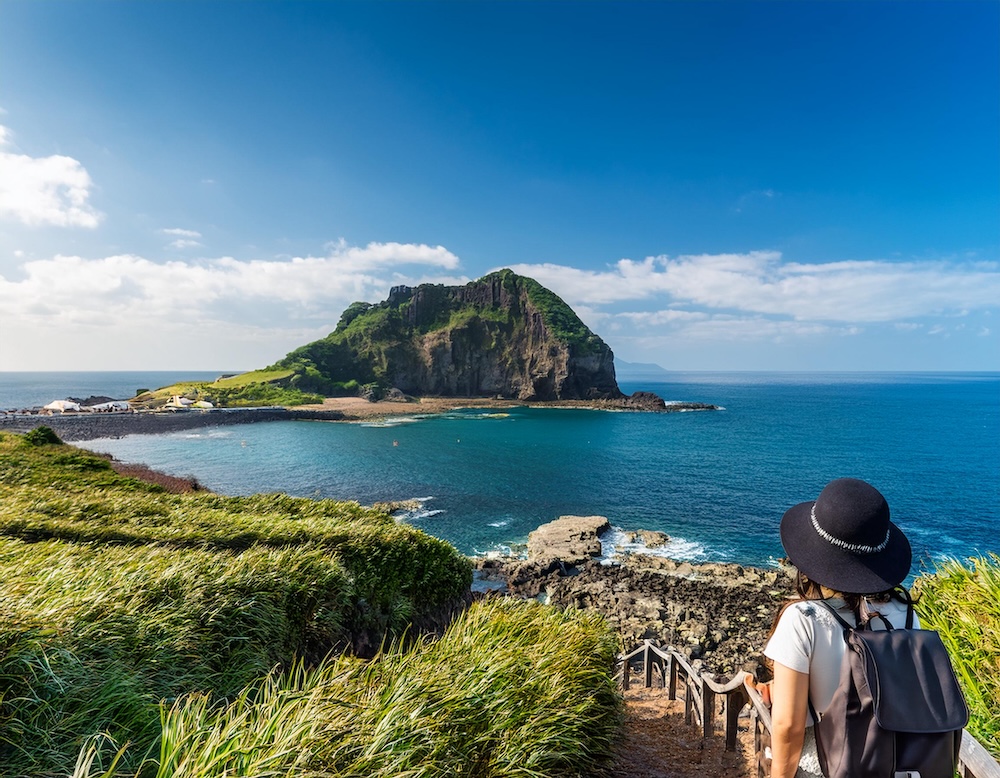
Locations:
column 704, row 697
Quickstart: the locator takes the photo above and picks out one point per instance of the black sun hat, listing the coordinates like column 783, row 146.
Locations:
column 845, row 541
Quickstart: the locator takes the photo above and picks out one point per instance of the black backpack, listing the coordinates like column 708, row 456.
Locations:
column 898, row 711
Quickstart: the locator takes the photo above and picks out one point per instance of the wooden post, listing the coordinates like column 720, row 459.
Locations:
column 672, row 672
column 647, row 658
column 707, row 711
column 735, row 700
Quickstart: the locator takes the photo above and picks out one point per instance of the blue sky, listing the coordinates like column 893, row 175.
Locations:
column 711, row 185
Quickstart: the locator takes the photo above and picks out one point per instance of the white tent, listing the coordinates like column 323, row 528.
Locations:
column 62, row 406
column 179, row 402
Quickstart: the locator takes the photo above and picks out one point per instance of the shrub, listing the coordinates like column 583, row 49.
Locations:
column 42, row 436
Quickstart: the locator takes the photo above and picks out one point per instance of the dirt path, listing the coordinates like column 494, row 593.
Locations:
column 658, row 744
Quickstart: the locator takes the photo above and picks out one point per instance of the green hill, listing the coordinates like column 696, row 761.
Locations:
column 504, row 335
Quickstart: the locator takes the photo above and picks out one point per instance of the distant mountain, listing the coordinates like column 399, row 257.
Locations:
column 639, row 371
column 504, row 335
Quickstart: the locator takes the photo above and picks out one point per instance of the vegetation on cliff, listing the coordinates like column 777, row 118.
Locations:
column 503, row 335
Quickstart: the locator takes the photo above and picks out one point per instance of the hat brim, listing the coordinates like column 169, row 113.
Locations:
column 840, row 569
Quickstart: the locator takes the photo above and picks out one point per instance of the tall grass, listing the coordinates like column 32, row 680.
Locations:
column 115, row 595
column 962, row 602
column 61, row 493
column 511, row 689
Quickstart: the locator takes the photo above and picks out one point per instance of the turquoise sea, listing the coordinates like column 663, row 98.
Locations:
column 716, row 481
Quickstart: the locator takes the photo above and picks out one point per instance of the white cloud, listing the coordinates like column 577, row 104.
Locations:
column 185, row 239
column 757, row 195
column 759, row 282
column 76, row 311
column 130, row 288
column 183, row 243
column 39, row 191
column 377, row 255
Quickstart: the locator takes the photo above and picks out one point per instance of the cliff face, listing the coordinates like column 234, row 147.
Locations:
column 503, row 335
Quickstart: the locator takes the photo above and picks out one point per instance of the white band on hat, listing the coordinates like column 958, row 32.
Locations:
column 853, row 547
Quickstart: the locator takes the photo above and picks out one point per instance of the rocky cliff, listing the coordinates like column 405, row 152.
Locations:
column 501, row 336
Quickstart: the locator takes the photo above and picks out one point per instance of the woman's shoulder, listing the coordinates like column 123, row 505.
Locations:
column 806, row 614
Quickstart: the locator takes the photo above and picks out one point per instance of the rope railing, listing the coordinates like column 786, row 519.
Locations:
column 703, row 696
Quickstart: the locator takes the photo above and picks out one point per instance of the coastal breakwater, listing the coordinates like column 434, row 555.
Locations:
column 76, row 427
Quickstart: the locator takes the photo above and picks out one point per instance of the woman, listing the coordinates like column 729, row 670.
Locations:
column 847, row 552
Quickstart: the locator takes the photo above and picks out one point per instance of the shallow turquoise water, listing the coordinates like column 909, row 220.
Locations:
column 717, row 482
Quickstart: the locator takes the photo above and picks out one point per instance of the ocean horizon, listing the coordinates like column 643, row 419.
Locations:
column 717, row 482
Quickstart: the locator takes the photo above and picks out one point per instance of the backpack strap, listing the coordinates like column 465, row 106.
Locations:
column 905, row 597
column 848, row 628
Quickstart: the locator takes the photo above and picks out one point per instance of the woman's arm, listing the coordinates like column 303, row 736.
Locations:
column 789, row 700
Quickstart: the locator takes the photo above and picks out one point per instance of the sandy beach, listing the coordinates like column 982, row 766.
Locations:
column 356, row 408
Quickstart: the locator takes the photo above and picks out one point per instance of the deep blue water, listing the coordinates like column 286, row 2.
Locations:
column 717, row 482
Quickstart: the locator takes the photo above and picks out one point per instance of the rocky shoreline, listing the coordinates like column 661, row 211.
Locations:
column 717, row 614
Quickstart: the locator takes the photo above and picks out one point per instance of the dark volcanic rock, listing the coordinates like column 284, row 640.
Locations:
column 646, row 401
column 719, row 613
column 94, row 399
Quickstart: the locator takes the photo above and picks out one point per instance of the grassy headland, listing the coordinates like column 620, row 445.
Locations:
column 187, row 634
column 253, row 389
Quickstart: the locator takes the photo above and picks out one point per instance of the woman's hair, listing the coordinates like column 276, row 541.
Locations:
column 807, row 589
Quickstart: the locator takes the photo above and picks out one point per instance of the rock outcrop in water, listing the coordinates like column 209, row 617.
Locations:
column 502, row 336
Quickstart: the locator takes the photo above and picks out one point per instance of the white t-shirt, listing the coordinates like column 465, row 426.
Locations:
column 810, row 640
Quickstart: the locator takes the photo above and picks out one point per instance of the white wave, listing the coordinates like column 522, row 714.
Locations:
column 616, row 542
column 501, row 523
column 414, row 514
column 393, row 421
column 213, row 434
